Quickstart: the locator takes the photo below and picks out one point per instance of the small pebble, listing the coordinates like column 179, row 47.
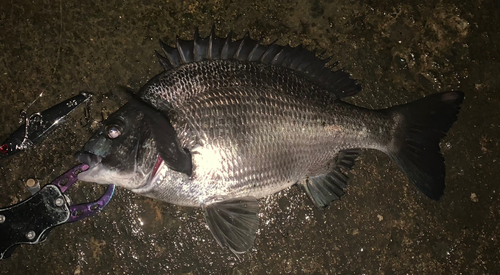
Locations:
column 474, row 197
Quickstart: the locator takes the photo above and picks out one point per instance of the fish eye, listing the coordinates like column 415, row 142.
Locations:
column 113, row 131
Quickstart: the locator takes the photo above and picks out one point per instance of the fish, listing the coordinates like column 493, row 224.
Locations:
column 228, row 122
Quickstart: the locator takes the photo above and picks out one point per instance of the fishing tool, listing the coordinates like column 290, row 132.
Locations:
column 30, row 221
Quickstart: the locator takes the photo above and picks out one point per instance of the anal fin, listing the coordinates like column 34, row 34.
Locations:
column 326, row 188
column 234, row 223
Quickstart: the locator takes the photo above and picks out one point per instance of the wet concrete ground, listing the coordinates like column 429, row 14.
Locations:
column 399, row 51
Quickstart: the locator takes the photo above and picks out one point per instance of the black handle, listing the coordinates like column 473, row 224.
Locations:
column 30, row 221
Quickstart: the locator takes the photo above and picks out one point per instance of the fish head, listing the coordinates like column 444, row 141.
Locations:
column 121, row 152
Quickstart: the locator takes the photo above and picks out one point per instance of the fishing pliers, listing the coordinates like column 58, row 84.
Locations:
column 30, row 221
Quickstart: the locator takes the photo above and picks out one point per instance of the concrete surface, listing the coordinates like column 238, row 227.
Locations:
column 399, row 51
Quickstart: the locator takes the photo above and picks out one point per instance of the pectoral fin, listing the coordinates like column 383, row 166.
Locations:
column 167, row 144
column 234, row 223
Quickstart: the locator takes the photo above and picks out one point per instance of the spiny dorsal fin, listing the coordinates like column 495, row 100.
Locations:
column 215, row 46
column 298, row 59
column 201, row 45
column 185, row 49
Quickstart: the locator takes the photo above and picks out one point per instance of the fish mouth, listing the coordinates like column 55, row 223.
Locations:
column 94, row 163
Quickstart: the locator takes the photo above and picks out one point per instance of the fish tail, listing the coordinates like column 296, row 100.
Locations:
column 415, row 148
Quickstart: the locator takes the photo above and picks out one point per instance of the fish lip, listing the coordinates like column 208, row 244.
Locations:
column 94, row 163
column 88, row 158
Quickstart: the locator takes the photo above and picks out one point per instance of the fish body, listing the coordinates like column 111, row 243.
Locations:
column 229, row 122
column 247, row 137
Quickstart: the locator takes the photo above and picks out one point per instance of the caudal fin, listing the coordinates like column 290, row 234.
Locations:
column 416, row 147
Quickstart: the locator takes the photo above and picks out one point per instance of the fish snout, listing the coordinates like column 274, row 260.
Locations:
column 88, row 158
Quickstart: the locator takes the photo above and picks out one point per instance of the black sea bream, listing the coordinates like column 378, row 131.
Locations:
column 229, row 122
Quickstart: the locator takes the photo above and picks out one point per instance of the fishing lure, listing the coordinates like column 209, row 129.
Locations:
column 38, row 125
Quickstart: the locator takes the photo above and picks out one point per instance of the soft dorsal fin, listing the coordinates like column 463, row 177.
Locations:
column 298, row 59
